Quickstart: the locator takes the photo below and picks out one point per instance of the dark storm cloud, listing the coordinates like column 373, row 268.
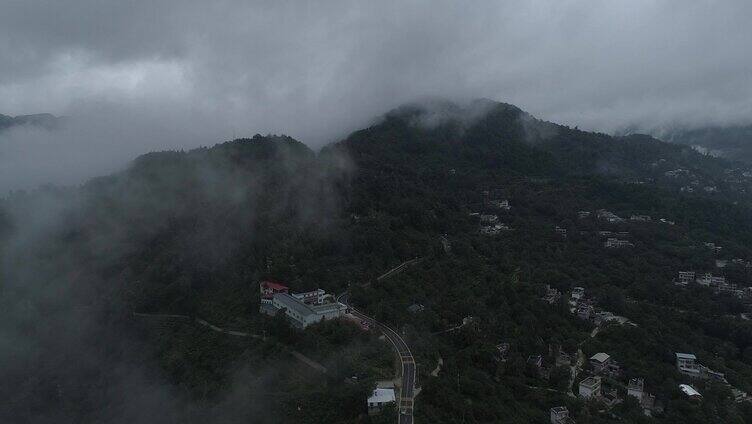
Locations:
column 205, row 71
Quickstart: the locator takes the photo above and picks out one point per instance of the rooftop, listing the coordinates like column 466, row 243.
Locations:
column 590, row 382
column 382, row 396
column 327, row 307
column 600, row 357
column 293, row 304
column 685, row 356
column 689, row 390
column 274, row 286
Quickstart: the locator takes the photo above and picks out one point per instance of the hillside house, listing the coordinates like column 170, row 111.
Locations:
column 562, row 232
column 686, row 277
column 560, row 415
column 590, row 388
column 492, row 230
column 640, row 218
column 711, row 280
column 686, row 364
column 615, row 243
column 690, row 392
column 379, row 398
column 608, row 216
column 602, row 363
column 636, row 388
column 535, row 361
column 677, row 173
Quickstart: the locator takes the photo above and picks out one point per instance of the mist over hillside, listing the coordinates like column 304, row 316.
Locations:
column 730, row 142
column 518, row 212
column 190, row 233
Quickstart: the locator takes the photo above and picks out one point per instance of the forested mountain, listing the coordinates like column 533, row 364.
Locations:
column 192, row 233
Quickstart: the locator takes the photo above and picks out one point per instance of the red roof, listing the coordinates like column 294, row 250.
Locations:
column 274, row 286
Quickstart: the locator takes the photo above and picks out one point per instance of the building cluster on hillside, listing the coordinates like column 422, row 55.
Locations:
column 586, row 310
column 687, row 365
column 490, row 225
column 717, row 282
column 593, row 387
column 301, row 309
column 492, row 230
column 608, row 216
column 612, row 218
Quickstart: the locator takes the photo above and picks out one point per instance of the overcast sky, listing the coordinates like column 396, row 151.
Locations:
column 144, row 75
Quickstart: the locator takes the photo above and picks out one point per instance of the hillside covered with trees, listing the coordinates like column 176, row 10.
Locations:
column 192, row 233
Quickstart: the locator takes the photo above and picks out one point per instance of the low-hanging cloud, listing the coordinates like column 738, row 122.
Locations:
column 145, row 76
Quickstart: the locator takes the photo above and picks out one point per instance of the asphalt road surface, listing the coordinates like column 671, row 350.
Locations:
column 405, row 410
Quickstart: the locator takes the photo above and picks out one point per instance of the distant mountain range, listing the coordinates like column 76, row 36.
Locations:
column 731, row 142
column 42, row 120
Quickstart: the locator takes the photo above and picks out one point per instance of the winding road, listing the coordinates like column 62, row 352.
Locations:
column 407, row 392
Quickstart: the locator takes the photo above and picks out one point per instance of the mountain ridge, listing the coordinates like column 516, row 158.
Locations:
column 40, row 120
